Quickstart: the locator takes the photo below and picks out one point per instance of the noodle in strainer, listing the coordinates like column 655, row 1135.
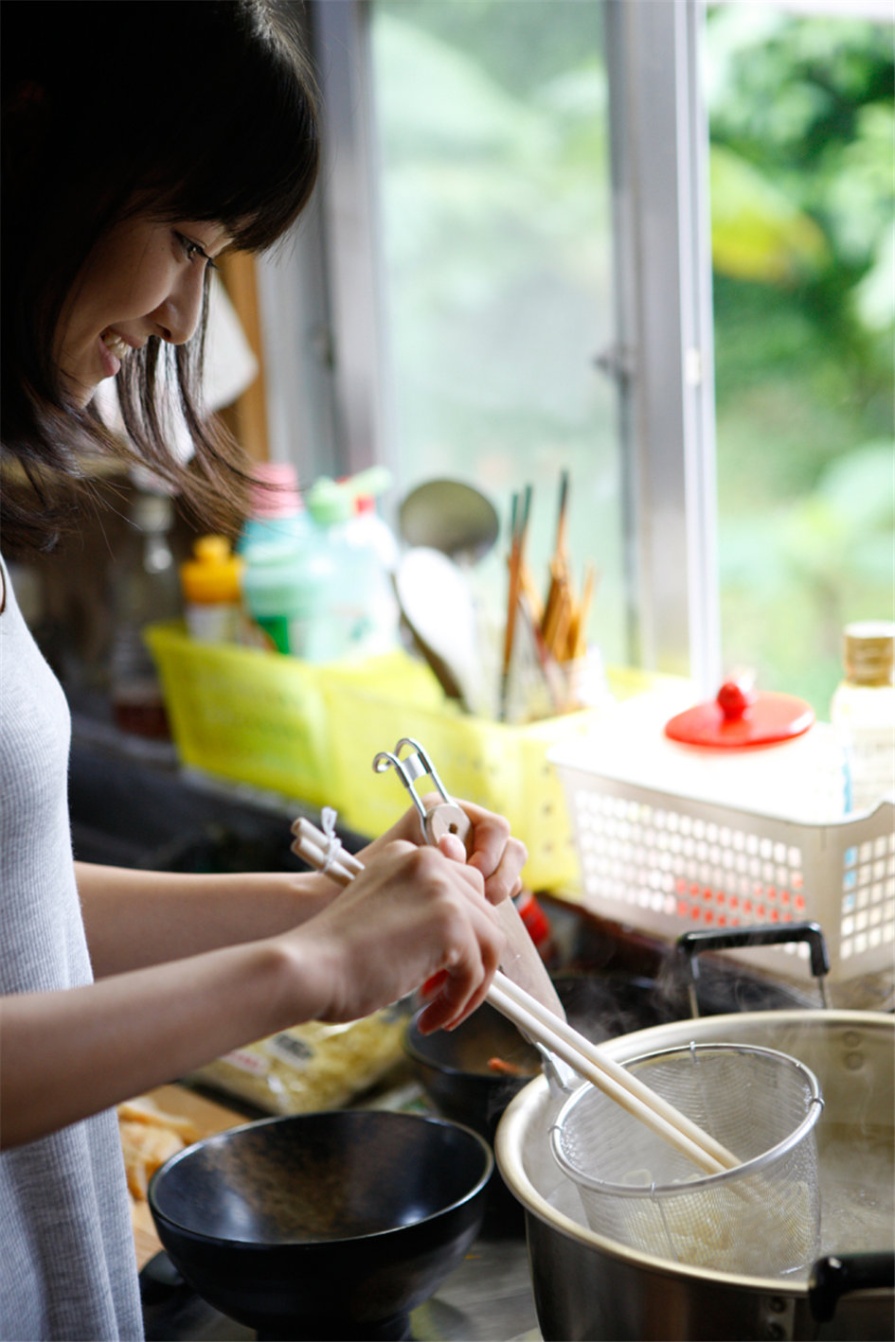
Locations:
column 761, row 1218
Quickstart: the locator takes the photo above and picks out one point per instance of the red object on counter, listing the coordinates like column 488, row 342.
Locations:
column 740, row 717
column 534, row 918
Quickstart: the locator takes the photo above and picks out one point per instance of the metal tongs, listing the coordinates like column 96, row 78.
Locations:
column 521, row 962
column 445, row 817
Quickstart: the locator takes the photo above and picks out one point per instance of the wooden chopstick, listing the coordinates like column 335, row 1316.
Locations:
column 519, row 516
column 558, row 1037
column 559, row 618
column 594, row 1065
column 578, row 635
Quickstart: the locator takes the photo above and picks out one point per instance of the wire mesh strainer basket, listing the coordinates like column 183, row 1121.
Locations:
column 761, row 1218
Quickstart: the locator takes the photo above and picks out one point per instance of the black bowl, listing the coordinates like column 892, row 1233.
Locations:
column 454, row 1068
column 325, row 1225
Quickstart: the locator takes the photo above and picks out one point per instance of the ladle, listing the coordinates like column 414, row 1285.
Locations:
column 436, row 603
column 450, row 516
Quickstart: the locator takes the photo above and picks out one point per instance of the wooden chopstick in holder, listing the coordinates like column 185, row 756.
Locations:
column 519, row 516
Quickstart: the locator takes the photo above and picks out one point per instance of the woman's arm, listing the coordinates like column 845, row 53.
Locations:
column 135, row 919
column 412, row 913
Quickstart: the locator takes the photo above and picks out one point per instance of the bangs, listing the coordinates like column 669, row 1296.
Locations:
column 255, row 172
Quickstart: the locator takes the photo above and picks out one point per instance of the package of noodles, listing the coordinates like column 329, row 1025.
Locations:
column 311, row 1066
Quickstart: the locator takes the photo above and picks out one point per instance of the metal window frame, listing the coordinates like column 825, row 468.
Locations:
column 323, row 307
column 664, row 354
column 320, row 293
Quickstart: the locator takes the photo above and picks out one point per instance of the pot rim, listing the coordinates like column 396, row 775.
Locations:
column 746, row 1167
column 535, row 1204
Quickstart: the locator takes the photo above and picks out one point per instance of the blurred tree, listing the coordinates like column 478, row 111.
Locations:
column 803, row 203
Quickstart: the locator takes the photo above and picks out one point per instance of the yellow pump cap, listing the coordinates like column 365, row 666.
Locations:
column 214, row 575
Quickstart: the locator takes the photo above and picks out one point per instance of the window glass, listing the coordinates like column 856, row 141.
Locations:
column 801, row 170
column 495, row 242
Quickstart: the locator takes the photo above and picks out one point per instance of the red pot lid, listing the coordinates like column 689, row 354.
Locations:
column 738, row 717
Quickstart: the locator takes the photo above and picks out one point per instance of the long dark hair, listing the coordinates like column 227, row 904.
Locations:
column 188, row 109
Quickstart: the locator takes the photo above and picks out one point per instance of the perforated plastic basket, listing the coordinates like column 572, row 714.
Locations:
column 666, row 863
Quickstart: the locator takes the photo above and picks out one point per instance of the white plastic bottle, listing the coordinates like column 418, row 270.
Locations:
column 371, row 534
column 862, row 712
column 360, row 607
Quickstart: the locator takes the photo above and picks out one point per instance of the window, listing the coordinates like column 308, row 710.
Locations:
column 803, row 187
column 651, row 243
column 495, row 219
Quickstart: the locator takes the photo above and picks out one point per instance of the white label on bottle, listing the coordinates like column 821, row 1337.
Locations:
column 218, row 623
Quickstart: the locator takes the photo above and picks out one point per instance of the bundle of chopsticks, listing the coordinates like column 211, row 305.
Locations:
column 323, row 852
column 556, row 625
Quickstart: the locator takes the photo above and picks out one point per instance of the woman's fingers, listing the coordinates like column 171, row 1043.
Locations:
column 452, row 847
column 410, row 914
column 449, row 1001
column 493, row 850
column 496, row 853
column 456, row 993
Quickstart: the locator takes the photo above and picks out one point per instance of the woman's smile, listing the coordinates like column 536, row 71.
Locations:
column 146, row 278
column 114, row 350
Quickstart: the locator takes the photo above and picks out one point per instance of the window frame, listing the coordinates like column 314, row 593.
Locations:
column 326, row 340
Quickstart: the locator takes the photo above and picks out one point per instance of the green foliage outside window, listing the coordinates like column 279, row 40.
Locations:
column 498, row 256
column 803, row 205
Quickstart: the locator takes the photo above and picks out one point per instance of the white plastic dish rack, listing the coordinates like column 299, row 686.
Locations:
column 666, row 863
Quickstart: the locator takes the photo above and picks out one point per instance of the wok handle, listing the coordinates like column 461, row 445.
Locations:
column 841, row 1274
column 692, row 944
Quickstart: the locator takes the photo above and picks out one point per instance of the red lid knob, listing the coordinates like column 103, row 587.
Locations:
column 735, row 699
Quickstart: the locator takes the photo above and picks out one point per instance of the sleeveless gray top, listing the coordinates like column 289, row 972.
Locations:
column 67, row 1265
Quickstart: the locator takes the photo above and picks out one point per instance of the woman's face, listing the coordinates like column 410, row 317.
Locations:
column 144, row 278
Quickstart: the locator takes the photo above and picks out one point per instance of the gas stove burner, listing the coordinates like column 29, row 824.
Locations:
column 396, row 1329
column 172, row 1309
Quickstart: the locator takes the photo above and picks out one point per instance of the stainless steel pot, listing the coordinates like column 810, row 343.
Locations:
column 588, row 1287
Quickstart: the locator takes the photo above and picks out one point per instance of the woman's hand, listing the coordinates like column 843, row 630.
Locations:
column 412, row 913
column 494, row 852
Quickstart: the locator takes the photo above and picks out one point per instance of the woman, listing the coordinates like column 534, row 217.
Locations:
column 140, row 141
